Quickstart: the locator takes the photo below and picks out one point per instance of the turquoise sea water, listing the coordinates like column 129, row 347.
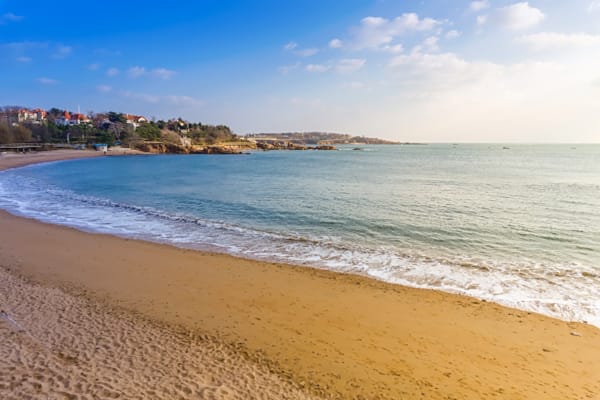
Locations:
column 519, row 226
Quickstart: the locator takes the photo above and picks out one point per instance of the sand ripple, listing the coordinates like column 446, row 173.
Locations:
column 54, row 345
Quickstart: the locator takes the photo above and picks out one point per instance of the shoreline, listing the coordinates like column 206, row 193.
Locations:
column 332, row 333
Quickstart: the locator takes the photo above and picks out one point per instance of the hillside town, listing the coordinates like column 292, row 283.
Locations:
column 54, row 127
column 37, row 116
column 28, row 128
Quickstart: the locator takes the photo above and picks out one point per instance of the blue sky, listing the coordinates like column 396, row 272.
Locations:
column 485, row 71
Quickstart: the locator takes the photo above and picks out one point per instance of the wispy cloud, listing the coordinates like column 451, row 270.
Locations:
column 343, row 66
column 47, row 81
column 290, row 46
column 306, row 52
column 554, row 40
column 336, row 43
column 23, row 59
column 294, row 49
column 112, row 72
column 93, row 67
column 10, row 17
column 62, row 51
column 161, row 73
column 317, row 68
column 453, row 34
column 355, row 85
column 107, row 52
column 518, row 16
column 103, row 88
column 479, row 5
column 183, row 101
column 377, row 33
column 178, row 100
column 594, row 6
column 286, row 69
column 25, row 45
column 144, row 97
column 349, row 65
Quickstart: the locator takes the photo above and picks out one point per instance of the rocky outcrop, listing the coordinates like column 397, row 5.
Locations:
column 290, row 146
column 161, row 147
column 171, row 148
column 220, row 149
column 325, row 147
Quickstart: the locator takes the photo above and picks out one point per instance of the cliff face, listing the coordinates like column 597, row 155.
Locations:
column 170, row 148
column 223, row 148
column 160, row 148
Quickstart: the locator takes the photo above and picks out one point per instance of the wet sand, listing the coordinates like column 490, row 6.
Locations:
column 331, row 334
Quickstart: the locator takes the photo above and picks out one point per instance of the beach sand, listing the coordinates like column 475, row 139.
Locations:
column 262, row 330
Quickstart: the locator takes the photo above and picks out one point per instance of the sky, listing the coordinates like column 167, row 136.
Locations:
column 424, row 71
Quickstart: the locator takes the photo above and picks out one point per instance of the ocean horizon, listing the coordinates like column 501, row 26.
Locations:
column 514, row 224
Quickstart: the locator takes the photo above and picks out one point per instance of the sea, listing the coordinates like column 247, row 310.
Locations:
column 518, row 225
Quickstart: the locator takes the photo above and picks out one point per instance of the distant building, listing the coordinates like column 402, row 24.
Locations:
column 68, row 119
column 135, row 120
column 36, row 116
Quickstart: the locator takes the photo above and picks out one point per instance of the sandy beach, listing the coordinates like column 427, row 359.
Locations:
column 94, row 316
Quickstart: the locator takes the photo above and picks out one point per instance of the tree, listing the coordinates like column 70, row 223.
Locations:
column 116, row 117
column 106, row 137
column 148, row 131
column 6, row 135
column 21, row 134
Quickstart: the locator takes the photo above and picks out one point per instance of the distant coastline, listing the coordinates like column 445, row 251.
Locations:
column 25, row 129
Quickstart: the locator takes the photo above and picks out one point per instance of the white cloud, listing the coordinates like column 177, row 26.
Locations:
column 23, row 59
column 183, row 101
column 62, row 51
column 376, row 32
column 355, row 85
column 306, row 52
column 47, row 81
column 290, row 46
column 481, row 20
column 336, row 43
column 349, row 65
column 176, row 100
column 112, row 72
column 394, row 49
column 427, row 62
column 479, row 5
column 161, row 73
column 453, row 34
column 93, row 67
column 136, row 72
column 518, row 16
column 286, row 69
column 103, row 88
column 594, row 6
column 317, row 68
column 431, row 44
column 293, row 47
column 10, row 17
column 486, row 101
column 553, row 40
column 146, row 98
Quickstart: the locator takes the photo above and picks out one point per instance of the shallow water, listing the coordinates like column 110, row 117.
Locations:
column 519, row 226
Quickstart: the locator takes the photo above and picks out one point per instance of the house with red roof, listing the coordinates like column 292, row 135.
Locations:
column 135, row 120
column 68, row 119
column 35, row 116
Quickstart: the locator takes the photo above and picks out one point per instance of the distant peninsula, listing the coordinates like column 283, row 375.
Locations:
column 23, row 129
column 316, row 138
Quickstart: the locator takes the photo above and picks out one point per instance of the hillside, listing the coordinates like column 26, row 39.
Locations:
column 315, row 138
